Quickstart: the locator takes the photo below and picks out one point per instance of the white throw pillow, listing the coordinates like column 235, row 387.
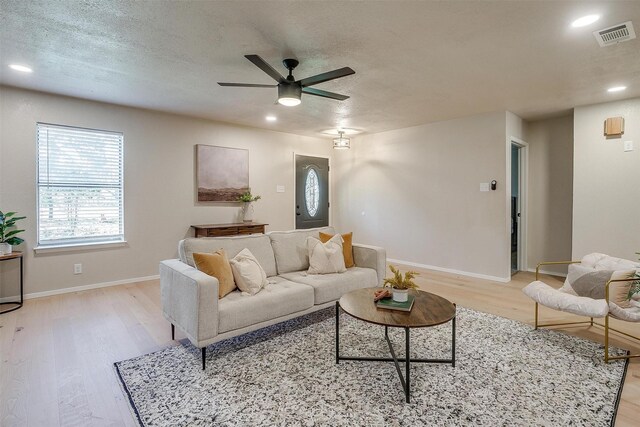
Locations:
column 325, row 258
column 247, row 272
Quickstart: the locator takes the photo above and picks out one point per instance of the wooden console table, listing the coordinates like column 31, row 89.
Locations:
column 217, row 230
column 18, row 304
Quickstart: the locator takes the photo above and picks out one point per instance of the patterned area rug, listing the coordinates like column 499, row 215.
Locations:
column 506, row 374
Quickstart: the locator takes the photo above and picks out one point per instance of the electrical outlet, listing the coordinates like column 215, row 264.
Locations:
column 77, row 268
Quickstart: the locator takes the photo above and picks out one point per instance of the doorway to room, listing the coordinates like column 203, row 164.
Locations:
column 312, row 191
column 518, row 162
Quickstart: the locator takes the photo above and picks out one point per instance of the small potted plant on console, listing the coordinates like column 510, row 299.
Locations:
column 247, row 209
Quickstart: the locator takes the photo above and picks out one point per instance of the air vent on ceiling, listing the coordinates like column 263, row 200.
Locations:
column 616, row 34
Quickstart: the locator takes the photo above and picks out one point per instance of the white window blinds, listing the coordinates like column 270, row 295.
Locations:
column 80, row 185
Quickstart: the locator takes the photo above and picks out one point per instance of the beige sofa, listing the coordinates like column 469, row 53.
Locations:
column 190, row 297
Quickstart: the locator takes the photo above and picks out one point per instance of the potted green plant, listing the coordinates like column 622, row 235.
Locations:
column 401, row 283
column 247, row 209
column 8, row 237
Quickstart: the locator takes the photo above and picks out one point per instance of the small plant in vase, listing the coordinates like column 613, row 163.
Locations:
column 247, row 209
column 8, row 237
column 400, row 284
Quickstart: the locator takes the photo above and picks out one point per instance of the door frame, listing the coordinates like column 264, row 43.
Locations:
column 320, row 156
column 523, row 193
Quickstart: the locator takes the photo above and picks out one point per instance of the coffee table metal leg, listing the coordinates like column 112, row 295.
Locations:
column 407, row 363
column 337, row 332
column 453, row 342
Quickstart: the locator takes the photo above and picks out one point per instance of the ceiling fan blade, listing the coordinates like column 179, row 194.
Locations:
column 330, row 75
column 262, row 64
column 324, row 93
column 245, row 85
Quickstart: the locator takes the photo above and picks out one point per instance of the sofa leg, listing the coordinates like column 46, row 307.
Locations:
column 173, row 331
column 204, row 356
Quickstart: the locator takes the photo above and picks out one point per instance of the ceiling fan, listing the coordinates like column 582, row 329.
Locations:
column 290, row 90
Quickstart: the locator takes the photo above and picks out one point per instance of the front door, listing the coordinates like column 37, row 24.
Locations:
column 312, row 192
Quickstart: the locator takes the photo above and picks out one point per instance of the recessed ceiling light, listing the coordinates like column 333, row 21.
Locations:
column 271, row 118
column 584, row 21
column 22, row 68
column 616, row 89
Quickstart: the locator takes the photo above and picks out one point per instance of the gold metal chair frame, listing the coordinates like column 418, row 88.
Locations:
column 591, row 322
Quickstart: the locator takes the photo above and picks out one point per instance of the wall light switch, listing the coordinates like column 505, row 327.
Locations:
column 77, row 268
column 628, row 146
column 484, row 186
column 279, row 188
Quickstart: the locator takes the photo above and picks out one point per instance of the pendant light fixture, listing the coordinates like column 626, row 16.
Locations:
column 341, row 143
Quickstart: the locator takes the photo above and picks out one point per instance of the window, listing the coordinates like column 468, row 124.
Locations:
column 80, row 186
column 312, row 192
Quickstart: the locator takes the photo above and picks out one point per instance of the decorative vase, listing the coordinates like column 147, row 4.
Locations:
column 400, row 295
column 5, row 249
column 247, row 212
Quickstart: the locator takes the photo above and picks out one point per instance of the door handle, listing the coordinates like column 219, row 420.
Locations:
column 298, row 213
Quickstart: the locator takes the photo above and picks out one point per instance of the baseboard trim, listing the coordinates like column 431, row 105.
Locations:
column 82, row 288
column 451, row 270
column 550, row 273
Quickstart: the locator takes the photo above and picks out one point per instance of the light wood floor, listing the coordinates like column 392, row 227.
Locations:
column 57, row 352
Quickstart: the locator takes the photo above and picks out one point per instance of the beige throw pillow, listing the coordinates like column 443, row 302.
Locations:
column 247, row 272
column 587, row 282
column 325, row 258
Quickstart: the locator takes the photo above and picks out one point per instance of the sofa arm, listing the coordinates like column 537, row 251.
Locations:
column 189, row 300
column 371, row 257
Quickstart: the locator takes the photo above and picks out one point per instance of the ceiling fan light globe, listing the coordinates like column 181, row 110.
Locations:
column 289, row 102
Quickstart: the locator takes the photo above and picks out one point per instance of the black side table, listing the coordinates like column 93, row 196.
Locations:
column 14, row 255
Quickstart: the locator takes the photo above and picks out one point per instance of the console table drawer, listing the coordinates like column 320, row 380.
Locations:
column 222, row 231
column 251, row 229
column 219, row 230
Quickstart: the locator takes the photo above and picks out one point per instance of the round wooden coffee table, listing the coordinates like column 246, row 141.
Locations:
column 428, row 310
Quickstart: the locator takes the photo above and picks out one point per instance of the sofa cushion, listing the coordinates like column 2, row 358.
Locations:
column 258, row 244
column 553, row 298
column 279, row 298
column 330, row 287
column 290, row 248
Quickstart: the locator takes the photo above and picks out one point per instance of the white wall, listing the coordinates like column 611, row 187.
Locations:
column 550, row 198
column 606, row 190
column 415, row 191
column 159, row 181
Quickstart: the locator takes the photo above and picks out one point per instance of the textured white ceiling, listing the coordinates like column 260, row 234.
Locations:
column 415, row 62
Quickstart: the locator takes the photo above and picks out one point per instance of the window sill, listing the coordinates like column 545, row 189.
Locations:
column 78, row 247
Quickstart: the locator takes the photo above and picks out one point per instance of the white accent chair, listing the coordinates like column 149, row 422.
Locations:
column 561, row 300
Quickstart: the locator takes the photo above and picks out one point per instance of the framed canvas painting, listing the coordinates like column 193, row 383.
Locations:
column 222, row 174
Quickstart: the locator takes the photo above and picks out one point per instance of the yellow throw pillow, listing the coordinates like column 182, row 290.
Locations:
column 347, row 247
column 216, row 265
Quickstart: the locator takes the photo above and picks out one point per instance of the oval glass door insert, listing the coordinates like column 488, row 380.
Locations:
column 312, row 192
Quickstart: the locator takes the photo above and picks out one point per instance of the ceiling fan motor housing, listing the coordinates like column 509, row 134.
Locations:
column 289, row 90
